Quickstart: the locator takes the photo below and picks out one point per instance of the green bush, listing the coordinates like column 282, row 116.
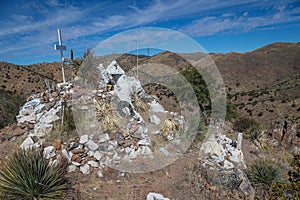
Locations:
column 263, row 173
column 248, row 126
column 289, row 190
column 29, row 175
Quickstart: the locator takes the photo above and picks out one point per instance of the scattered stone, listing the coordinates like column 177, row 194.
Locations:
column 90, row 153
column 154, row 119
column 72, row 145
column 97, row 155
column 76, row 163
column 84, row 139
column 49, row 152
column 93, row 163
column 85, row 169
column 27, row 143
column 156, row 107
column 91, row 145
column 71, row 168
column 66, row 154
column 100, row 173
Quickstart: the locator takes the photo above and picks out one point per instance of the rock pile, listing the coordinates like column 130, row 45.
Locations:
column 221, row 169
column 102, row 141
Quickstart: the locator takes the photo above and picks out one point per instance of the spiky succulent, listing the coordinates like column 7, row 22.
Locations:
column 264, row 173
column 29, row 175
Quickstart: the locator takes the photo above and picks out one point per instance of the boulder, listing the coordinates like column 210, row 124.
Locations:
column 84, row 139
column 91, row 145
column 49, row 152
column 27, row 143
column 154, row 119
column 85, row 169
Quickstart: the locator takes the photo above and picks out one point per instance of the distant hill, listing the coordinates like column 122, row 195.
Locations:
column 262, row 84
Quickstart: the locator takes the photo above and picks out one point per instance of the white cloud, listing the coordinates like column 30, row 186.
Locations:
column 245, row 22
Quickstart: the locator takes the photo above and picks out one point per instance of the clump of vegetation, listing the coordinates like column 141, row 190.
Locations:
column 29, row 175
column 263, row 174
column 168, row 126
column 199, row 87
column 104, row 113
column 63, row 130
column 140, row 104
column 249, row 127
column 10, row 104
column 289, row 190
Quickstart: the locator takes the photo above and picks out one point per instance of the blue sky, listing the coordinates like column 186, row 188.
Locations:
column 28, row 29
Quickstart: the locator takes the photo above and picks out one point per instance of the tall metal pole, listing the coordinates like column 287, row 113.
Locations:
column 62, row 56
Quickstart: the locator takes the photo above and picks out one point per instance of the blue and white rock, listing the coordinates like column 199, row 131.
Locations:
column 85, row 169
column 91, row 145
column 84, row 139
column 154, row 119
column 27, row 143
column 49, row 152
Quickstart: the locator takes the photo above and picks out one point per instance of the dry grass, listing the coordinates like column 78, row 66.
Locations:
column 168, row 126
column 140, row 104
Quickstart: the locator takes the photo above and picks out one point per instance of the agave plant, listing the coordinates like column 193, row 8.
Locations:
column 29, row 175
column 264, row 173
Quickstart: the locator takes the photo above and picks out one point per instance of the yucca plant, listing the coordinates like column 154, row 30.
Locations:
column 263, row 174
column 28, row 175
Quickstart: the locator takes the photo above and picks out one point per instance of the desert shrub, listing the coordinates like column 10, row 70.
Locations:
column 29, row 175
column 9, row 106
column 248, row 126
column 231, row 113
column 289, row 190
column 260, row 114
column 263, row 174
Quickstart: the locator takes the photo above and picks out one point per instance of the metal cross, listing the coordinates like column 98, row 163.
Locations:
column 61, row 48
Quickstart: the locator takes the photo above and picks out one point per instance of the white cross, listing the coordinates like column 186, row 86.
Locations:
column 61, row 48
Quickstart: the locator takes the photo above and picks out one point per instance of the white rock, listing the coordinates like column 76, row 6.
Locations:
column 144, row 142
column 93, row 163
column 92, row 145
column 71, row 168
column 156, row 196
column 156, row 107
column 104, row 137
column 64, row 152
column 27, row 143
column 76, row 163
column 84, row 139
column 154, row 119
column 29, row 106
column 91, row 153
column 39, row 108
column 97, row 155
column 133, row 155
column 49, row 152
column 128, row 150
column 28, row 118
column 110, row 148
column 85, row 169
column 41, row 130
column 100, row 173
